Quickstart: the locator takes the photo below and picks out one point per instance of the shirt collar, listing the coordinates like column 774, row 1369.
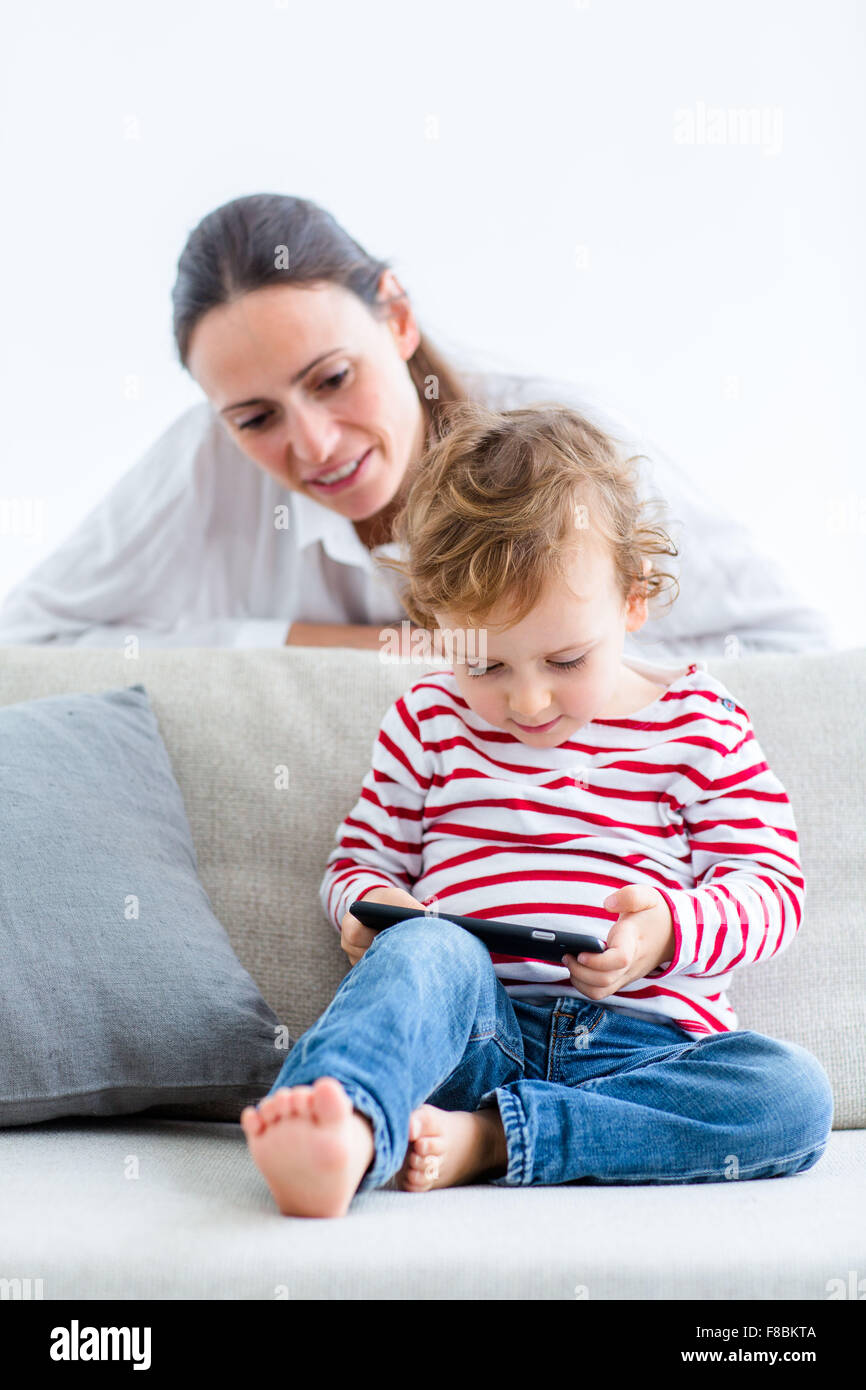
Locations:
column 338, row 537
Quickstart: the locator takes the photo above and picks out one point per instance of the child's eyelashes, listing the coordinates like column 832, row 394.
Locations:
column 497, row 666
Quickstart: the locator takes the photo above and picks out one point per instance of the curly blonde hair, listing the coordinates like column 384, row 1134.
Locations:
column 497, row 506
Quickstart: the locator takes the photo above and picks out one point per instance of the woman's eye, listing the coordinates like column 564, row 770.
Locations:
column 560, row 666
column 336, row 380
column 333, row 383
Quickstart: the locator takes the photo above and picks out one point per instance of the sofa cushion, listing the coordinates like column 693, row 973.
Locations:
column 269, row 748
column 202, row 1224
column 119, row 988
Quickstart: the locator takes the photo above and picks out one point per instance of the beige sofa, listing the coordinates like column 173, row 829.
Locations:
column 200, row 1223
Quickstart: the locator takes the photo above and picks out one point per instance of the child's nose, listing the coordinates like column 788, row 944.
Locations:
column 529, row 703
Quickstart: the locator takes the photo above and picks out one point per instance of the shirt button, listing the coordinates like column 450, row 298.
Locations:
column 729, row 704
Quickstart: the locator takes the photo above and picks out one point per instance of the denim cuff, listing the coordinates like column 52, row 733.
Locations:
column 513, row 1119
column 381, row 1168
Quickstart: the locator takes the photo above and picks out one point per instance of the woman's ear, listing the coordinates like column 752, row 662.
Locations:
column 401, row 317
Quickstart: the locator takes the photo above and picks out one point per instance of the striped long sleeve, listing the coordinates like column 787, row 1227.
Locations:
column 379, row 842
column 677, row 794
column 748, row 902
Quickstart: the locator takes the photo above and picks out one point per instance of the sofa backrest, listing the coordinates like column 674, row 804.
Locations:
column 269, row 748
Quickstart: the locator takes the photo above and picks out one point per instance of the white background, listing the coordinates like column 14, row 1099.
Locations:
column 524, row 169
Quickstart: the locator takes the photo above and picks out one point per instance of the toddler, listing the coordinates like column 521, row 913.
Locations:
column 544, row 778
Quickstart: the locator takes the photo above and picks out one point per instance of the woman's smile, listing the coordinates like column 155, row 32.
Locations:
column 340, row 478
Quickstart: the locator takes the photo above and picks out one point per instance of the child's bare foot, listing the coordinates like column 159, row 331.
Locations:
column 450, row 1147
column 311, row 1146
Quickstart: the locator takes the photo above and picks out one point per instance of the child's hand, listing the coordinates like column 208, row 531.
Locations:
column 640, row 939
column 355, row 938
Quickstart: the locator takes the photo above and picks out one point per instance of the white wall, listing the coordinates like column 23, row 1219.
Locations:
column 569, row 215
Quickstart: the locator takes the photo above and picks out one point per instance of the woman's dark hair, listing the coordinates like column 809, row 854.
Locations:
column 275, row 239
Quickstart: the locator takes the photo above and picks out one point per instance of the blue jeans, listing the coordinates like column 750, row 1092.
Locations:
column 585, row 1093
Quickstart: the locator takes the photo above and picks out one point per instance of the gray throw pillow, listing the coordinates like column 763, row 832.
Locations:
column 119, row 989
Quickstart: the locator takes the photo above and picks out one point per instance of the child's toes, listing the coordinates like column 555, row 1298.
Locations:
column 432, row 1144
column 415, row 1182
column 415, row 1179
column 283, row 1107
column 421, row 1178
column 299, row 1101
column 425, row 1164
column 271, row 1108
column 423, row 1121
column 329, row 1103
column 251, row 1121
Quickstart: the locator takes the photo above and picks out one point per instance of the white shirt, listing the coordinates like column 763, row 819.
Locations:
column 188, row 549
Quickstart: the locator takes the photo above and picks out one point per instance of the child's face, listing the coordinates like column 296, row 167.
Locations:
column 525, row 685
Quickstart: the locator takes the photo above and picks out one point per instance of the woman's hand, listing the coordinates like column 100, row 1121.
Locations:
column 640, row 939
column 355, row 938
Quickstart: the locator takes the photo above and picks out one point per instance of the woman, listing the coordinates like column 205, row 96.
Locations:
column 316, row 371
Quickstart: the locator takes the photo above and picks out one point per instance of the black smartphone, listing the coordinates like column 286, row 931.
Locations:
column 507, row 938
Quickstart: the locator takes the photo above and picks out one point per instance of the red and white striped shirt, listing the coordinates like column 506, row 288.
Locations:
column 679, row 795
